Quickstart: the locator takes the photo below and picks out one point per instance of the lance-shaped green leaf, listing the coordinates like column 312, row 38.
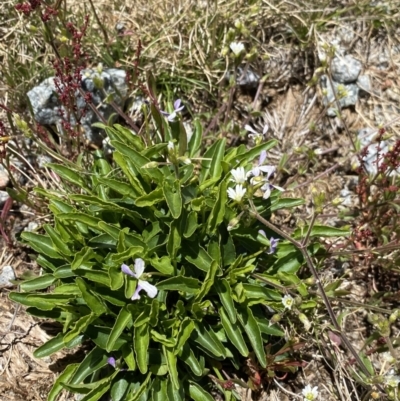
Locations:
column 38, row 283
column 252, row 330
column 185, row 330
column 68, row 174
column 197, row 393
column 84, row 218
column 225, row 295
column 94, row 360
column 63, row 378
column 119, row 388
column 99, row 390
column 163, row 265
column 234, row 333
column 41, row 301
column 218, row 210
column 79, row 327
column 180, row 283
column 322, row 231
column 208, row 282
column 41, row 244
column 247, row 157
column 151, row 198
column 141, row 339
column 186, row 355
column 100, row 336
column 120, row 187
column 123, row 320
column 59, row 244
column 92, row 301
column 209, row 342
column 211, row 163
column 50, row 347
column 170, row 358
column 174, row 240
column 172, row 193
column 191, row 225
column 159, row 389
column 196, row 139
column 198, row 256
column 135, row 396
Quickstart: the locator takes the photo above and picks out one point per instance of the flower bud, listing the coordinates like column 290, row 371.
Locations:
column 306, row 323
column 150, row 165
column 310, row 281
column 394, row 316
column 233, row 223
column 275, row 319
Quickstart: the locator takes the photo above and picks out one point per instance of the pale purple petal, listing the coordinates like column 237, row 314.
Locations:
column 149, row 288
column 139, row 267
column 111, row 361
column 262, row 232
column 273, row 245
column 172, row 117
column 268, row 169
column 263, row 156
column 255, row 172
column 248, row 128
column 125, row 269
column 267, row 191
column 136, row 295
column 177, row 104
column 278, row 188
column 265, row 130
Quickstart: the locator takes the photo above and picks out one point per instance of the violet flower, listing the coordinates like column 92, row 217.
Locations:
column 111, row 361
column 259, row 169
column 177, row 109
column 150, row 289
column 273, row 244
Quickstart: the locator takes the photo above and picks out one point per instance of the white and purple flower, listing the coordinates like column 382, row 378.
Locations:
column 150, row 289
column 178, row 107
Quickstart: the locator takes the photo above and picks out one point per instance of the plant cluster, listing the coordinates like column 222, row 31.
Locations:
column 160, row 259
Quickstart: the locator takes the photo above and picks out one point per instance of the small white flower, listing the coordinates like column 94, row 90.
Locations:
column 392, row 380
column 239, row 175
column 287, row 301
column 171, row 145
column 310, row 393
column 237, row 193
column 237, row 48
column 387, row 357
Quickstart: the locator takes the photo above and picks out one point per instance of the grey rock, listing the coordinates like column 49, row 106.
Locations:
column 42, row 160
column 102, row 85
column 31, row 227
column 349, row 99
column 246, row 78
column 6, row 276
column 364, row 85
column 345, row 69
column 3, row 197
column 4, row 178
column 366, row 138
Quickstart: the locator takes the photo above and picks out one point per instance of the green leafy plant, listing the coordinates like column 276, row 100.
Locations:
column 158, row 260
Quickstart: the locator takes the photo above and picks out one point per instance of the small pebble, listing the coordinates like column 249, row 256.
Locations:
column 6, row 276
